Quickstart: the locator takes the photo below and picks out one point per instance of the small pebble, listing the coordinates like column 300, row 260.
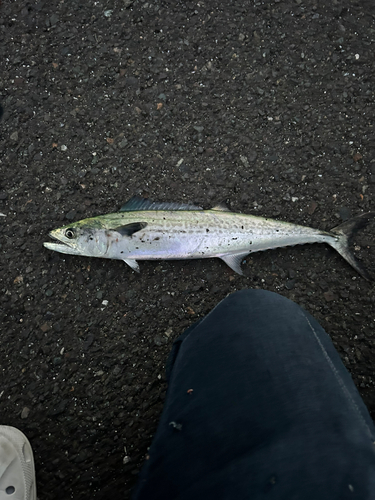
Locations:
column 25, row 412
column 290, row 284
column 168, row 332
column 245, row 161
column 122, row 144
column 70, row 215
column 312, row 207
column 345, row 213
column 329, row 296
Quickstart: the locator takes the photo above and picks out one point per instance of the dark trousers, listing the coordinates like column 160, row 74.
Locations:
column 259, row 406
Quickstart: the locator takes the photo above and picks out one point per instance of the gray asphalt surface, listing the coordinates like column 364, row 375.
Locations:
column 267, row 105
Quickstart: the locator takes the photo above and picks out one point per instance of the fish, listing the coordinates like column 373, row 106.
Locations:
column 146, row 230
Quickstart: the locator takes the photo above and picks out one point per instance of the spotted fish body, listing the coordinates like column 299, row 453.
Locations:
column 144, row 230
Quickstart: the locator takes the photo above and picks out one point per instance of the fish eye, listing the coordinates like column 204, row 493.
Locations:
column 69, row 233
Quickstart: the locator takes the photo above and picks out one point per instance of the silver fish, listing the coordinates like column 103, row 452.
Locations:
column 146, row 230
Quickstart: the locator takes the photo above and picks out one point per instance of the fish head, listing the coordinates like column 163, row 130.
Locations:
column 80, row 238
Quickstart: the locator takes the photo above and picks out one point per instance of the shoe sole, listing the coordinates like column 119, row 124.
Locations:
column 17, row 468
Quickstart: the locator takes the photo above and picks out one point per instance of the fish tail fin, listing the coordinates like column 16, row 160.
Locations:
column 345, row 233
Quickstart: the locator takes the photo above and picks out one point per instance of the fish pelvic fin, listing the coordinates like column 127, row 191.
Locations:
column 133, row 264
column 345, row 233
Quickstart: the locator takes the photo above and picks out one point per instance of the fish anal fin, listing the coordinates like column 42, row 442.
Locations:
column 234, row 261
column 137, row 203
column 129, row 229
column 133, row 264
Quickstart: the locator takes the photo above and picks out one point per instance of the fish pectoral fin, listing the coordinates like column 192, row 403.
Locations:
column 129, row 229
column 234, row 261
column 133, row 264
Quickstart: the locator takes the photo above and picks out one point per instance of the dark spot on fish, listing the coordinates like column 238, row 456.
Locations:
column 137, row 248
column 157, row 238
column 277, row 230
column 234, row 238
column 122, row 251
column 207, row 230
column 251, row 242
column 91, row 238
column 241, row 227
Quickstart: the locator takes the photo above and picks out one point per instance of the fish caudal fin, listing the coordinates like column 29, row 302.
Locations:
column 345, row 232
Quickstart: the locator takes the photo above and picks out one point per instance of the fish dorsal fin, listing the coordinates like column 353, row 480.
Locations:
column 234, row 261
column 221, row 207
column 129, row 229
column 137, row 203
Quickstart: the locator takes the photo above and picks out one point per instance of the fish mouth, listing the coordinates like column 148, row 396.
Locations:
column 62, row 246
